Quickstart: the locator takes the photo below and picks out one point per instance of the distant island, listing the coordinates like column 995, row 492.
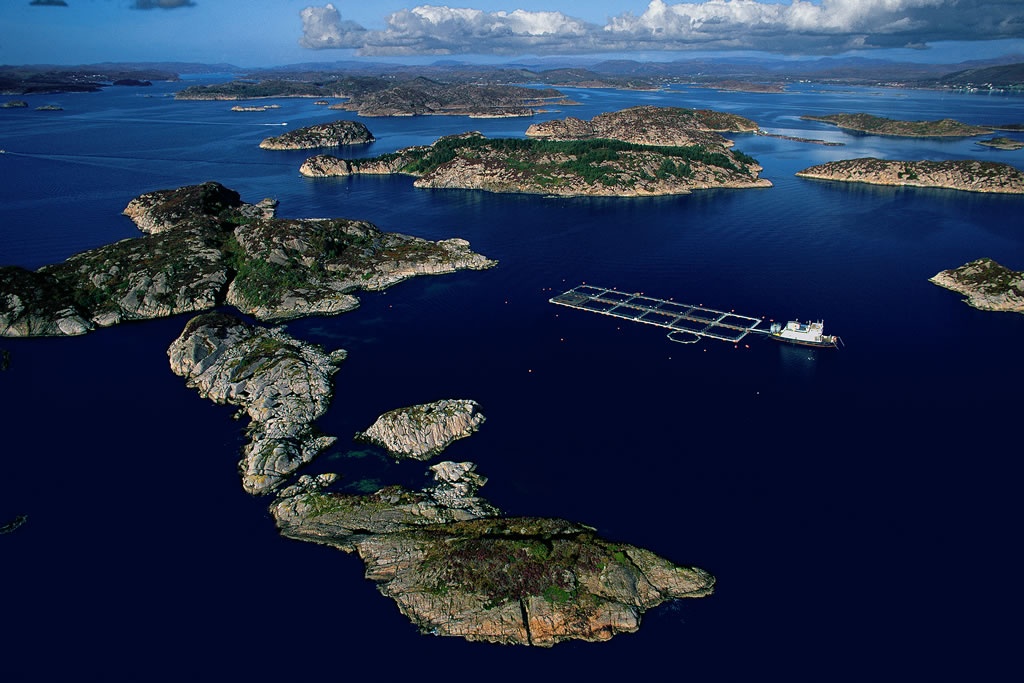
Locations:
column 335, row 134
column 986, row 285
column 743, row 86
column 378, row 96
column 966, row 175
column 1002, row 143
column 35, row 80
column 641, row 151
column 879, row 125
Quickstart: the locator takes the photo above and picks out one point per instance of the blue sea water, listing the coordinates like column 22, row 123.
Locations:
column 860, row 508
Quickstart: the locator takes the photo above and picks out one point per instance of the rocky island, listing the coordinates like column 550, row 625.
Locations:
column 206, row 247
column 333, row 134
column 455, row 567
column 966, row 175
column 425, row 430
column 879, row 125
column 1004, row 143
column 281, row 383
column 453, row 564
column 676, row 152
column 986, row 285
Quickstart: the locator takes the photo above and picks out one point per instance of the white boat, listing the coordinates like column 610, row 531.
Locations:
column 806, row 334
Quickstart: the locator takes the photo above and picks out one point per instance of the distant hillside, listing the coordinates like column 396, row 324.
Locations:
column 1005, row 76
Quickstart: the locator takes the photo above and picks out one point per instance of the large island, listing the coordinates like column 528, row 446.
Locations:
column 642, row 151
column 966, row 175
column 205, row 247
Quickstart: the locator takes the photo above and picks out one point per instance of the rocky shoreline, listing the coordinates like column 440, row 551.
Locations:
column 986, row 285
column 966, row 175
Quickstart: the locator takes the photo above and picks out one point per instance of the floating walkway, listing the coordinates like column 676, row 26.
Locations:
column 687, row 324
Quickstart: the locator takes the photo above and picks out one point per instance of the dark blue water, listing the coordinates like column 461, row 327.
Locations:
column 860, row 508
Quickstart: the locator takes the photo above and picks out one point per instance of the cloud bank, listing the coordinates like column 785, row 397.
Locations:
column 801, row 27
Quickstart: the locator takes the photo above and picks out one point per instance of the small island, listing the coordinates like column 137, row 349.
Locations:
column 986, row 285
column 643, row 151
column 965, row 175
column 879, row 125
column 1003, row 143
column 422, row 431
column 14, row 104
column 333, row 134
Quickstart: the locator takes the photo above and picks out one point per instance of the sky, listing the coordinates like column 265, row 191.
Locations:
column 252, row 33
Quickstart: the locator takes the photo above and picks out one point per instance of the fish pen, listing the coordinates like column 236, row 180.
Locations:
column 687, row 324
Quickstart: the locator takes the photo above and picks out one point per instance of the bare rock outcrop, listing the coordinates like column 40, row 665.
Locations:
column 281, row 383
column 966, row 175
column 986, row 285
column 424, row 430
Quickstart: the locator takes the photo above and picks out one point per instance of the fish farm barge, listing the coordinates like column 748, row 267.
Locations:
column 688, row 324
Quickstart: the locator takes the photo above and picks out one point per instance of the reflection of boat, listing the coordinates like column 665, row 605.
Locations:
column 806, row 334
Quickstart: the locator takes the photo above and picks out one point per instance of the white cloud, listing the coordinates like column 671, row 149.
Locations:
column 322, row 27
column 798, row 27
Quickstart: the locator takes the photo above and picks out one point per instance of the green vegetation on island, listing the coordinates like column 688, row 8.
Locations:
column 563, row 167
column 635, row 152
column 879, row 125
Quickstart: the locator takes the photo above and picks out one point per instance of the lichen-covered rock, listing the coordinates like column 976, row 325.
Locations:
column 334, row 134
column 966, row 175
column 464, row 571
column 424, row 430
column 35, row 305
column 281, row 383
column 986, row 285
